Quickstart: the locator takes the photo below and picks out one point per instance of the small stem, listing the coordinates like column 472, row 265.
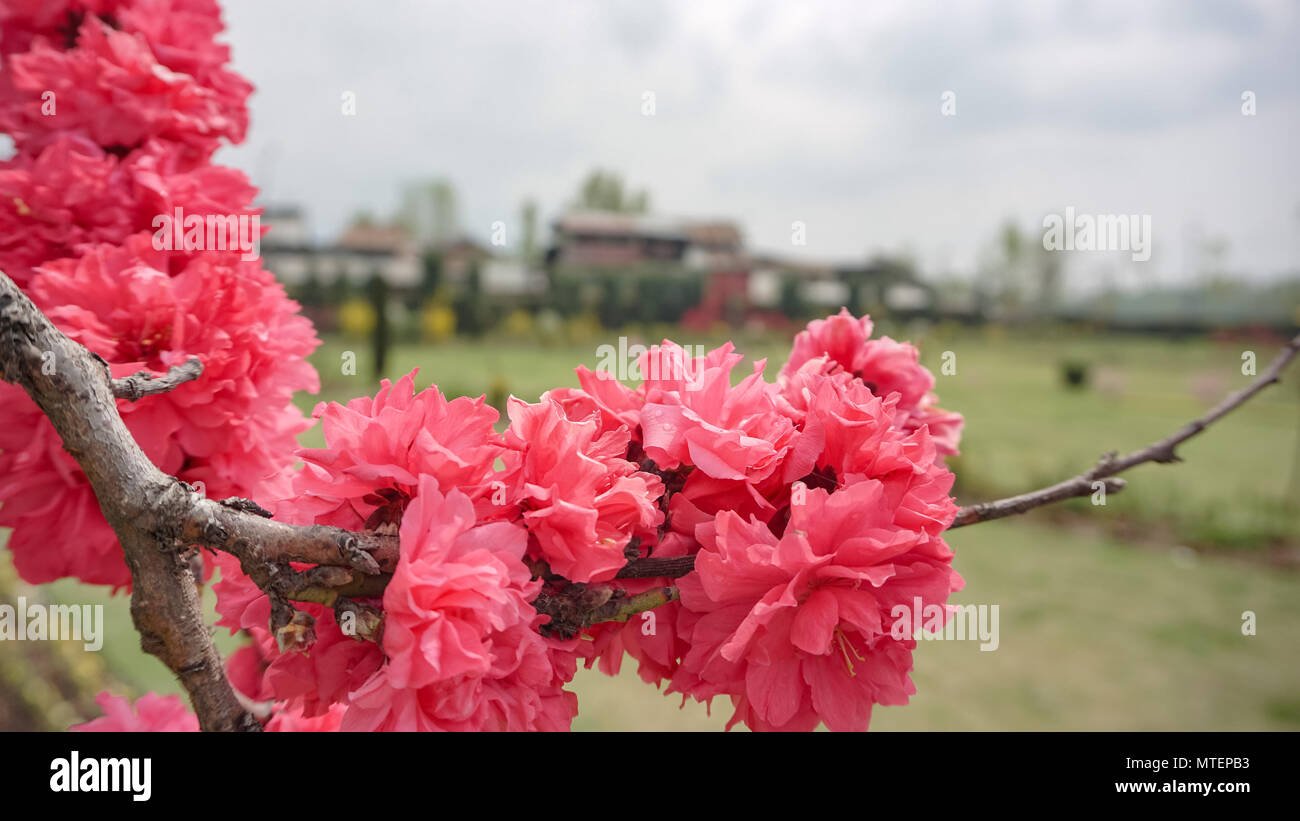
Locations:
column 142, row 383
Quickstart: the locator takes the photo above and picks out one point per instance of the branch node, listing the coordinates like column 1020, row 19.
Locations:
column 355, row 556
column 142, row 383
column 245, row 506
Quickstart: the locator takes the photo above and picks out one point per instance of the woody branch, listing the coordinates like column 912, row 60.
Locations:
column 159, row 520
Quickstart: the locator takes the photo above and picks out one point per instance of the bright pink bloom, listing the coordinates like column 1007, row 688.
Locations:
column 112, row 88
column 72, row 194
column 460, row 635
column 180, row 33
column 151, row 713
column 288, row 720
column 456, row 584
column 797, row 628
column 885, row 367
column 699, row 419
column 23, row 21
column 376, row 450
column 614, row 404
column 377, row 453
column 581, row 498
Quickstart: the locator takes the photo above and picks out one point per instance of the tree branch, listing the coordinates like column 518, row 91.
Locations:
column 1111, row 463
column 158, row 518
column 138, row 500
column 142, row 383
column 651, row 568
column 573, row 607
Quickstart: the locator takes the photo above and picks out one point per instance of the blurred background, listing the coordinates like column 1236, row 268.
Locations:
column 491, row 192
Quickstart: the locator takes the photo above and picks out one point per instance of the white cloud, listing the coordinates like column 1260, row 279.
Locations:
column 770, row 112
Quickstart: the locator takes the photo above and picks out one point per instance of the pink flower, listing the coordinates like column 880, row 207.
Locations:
column 463, row 652
column 795, row 628
column 376, row 450
column 232, row 429
column 68, row 194
column 292, row 721
column 22, row 21
column 582, row 499
column 72, row 194
column 113, row 88
column 180, row 33
column 729, row 433
column 886, row 367
column 151, row 713
column 613, row 404
column 456, row 584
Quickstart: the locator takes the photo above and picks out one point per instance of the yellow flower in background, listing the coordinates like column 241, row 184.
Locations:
column 438, row 322
column 356, row 318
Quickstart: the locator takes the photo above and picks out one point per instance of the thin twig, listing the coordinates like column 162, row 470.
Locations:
column 142, row 383
column 1162, row 452
column 652, row 568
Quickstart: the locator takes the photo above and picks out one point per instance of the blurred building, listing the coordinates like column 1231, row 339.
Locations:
column 362, row 251
column 736, row 285
column 606, row 239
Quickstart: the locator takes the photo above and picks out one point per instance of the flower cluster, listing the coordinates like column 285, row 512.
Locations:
column 115, row 108
column 812, row 506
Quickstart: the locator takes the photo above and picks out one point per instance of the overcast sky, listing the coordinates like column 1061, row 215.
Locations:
column 772, row 112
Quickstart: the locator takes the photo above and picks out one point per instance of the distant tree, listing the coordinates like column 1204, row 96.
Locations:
column 792, row 303
column 651, row 296
column 1010, row 285
column 604, row 191
column 430, row 212
column 377, row 289
column 528, row 221
column 612, row 307
column 564, row 295
column 310, row 292
column 430, row 276
column 340, row 289
column 1021, row 274
column 470, row 307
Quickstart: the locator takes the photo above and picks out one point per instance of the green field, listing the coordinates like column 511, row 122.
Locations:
column 1126, row 616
